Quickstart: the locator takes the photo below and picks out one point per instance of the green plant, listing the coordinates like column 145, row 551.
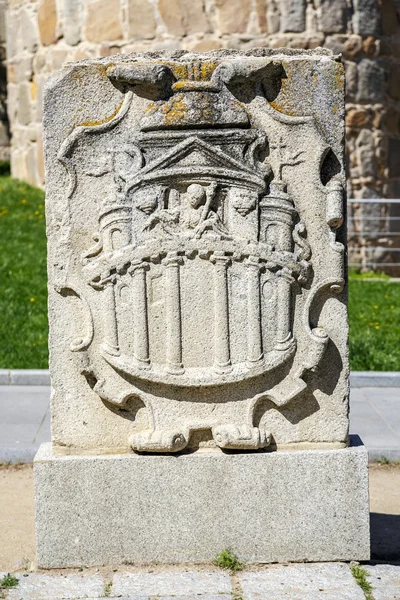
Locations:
column 383, row 460
column 360, row 575
column 8, row 581
column 374, row 315
column 107, row 589
column 357, row 274
column 227, row 559
column 23, row 298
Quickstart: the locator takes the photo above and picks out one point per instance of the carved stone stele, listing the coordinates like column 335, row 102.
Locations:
column 196, row 259
column 198, row 320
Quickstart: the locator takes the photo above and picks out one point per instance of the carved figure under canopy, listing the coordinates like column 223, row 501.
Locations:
column 203, row 297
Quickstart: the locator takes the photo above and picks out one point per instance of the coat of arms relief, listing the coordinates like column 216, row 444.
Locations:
column 198, row 287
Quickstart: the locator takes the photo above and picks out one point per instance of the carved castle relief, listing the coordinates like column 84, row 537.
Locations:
column 198, row 288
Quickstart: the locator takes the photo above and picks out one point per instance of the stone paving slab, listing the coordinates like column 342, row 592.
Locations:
column 385, row 581
column 172, row 583
column 301, row 582
column 53, row 587
column 318, row 581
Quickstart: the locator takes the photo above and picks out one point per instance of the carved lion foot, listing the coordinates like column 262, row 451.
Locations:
column 159, row 440
column 240, row 437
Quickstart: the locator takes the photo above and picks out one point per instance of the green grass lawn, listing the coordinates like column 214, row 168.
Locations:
column 374, row 314
column 23, row 290
column 374, row 306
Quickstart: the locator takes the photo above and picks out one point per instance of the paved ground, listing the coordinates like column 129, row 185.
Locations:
column 25, row 421
column 328, row 581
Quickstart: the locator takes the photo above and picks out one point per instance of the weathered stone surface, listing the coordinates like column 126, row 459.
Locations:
column 2, row 22
column 273, row 16
column 371, row 81
column 385, row 581
column 72, row 21
column 394, row 157
column 29, row 33
column 358, row 117
column 39, row 159
column 171, row 14
column 366, row 154
column 225, row 225
column 131, row 508
column 366, row 18
column 141, row 19
column 293, row 15
column 24, row 103
column 58, row 58
column 47, row 21
column 205, row 45
column 43, row 587
column 334, row 43
column 183, row 17
column 351, row 80
column 298, row 582
column 261, row 11
column 187, row 195
column 172, row 584
column 332, row 15
column 233, row 15
column 353, row 47
column 103, row 20
column 20, row 70
column 391, row 123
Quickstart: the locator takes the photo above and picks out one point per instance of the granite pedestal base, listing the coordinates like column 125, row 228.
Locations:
column 298, row 505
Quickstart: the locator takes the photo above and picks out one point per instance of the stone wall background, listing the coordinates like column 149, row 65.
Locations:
column 43, row 34
column 4, row 127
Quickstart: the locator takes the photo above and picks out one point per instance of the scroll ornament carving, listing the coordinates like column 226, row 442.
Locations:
column 197, row 207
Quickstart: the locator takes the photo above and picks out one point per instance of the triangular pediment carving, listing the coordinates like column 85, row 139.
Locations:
column 194, row 158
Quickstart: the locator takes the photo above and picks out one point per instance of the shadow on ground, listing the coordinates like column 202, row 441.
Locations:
column 385, row 537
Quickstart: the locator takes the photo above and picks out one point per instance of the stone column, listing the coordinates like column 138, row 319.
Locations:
column 110, row 344
column 254, row 338
column 284, row 333
column 141, row 332
column 173, row 313
column 222, row 359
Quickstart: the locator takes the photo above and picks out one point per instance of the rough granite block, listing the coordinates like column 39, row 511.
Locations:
column 301, row 582
column 66, row 587
column 366, row 17
column 385, row 581
column 309, row 505
column 171, row 583
column 205, row 596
